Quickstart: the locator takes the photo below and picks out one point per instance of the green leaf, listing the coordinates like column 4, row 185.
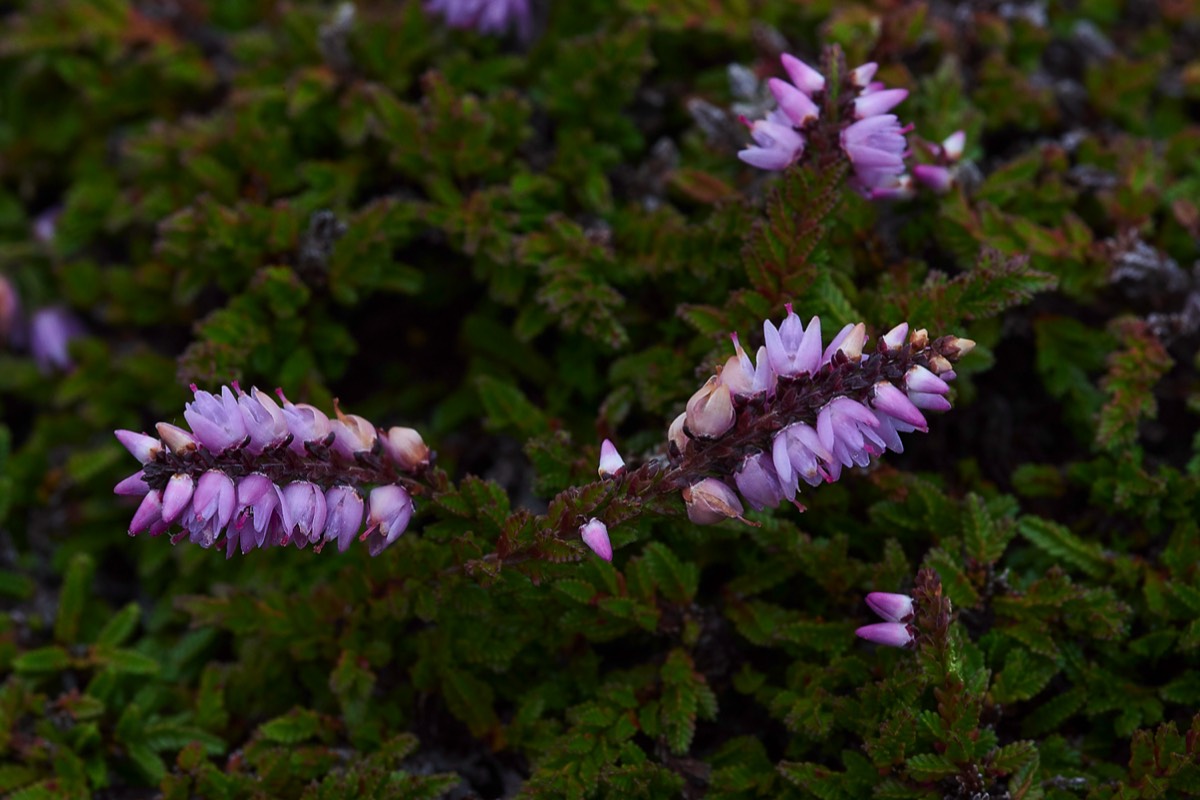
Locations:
column 296, row 726
column 73, row 597
column 46, row 659
column 120, row 626
column 1058, row 541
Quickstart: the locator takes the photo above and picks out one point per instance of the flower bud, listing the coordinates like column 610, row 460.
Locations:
column 891, row 634
column 390, row 509
column 710, row 501
column 849, row 341
column 405, row 447
column 595, row 536
column 144, row 448
column 919, row 339
column 939, row 364
column 963, row 346
column 611, row 463
column 891, row 607
column 176, row 438
column 710, row 412
column 177, row 496
column 894, row 338
column 953, row 145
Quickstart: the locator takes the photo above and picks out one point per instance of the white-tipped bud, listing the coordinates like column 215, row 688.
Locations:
column 852, row 345
column 919, row 339
column 953, row 146
column 676, row 434
column 611, row 463
column 405, row 447
column 963, row 346
column 894, row 338
column 939, row 364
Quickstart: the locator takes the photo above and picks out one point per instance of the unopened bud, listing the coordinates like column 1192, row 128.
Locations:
column 853, row 344
column 176, row 438
column 406, row 448
column 710, row 501
column 919, row 339
column 595, row 536
column 611, row 463
column 710, row 412
column 963, row 346
column 939, row 364
column 895, row 337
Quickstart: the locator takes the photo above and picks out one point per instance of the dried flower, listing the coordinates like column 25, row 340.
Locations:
column 238, row 473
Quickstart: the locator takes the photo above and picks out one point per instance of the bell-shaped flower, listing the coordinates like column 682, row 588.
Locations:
column 758, row 482
column 265, row 423
column 777, row 145
column 710, row 412
column 352, row 433
column 216, row 421
column 406, row 448
column 390, row 508
column 307, row 424
column 793, row 349
column 305, row 504
column 344, row 509
column 710, row 501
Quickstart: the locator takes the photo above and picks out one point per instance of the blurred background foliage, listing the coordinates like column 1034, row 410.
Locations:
column 520, row 249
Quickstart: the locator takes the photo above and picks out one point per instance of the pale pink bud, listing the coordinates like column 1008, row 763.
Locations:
column 953, row 145
column 176, row 438
column 611, row 463
column 894, row 339
column 807, row 79
column 891, row 634
column 710, row 412
column 890, row 606
column 595, row 535
column 144, row 448
column 406, row 448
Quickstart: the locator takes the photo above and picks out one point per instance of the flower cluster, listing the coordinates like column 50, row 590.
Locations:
column 804, row 410
column 264, row 473
column 871, row 138
column 486, row 16
column 898, row 610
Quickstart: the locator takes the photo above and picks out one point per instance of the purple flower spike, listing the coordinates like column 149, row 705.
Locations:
column 149, row 512
column 264, row 420
column 876, row 103
column 595, row 536
column 807, row 79
column 390, row 509
column 306, row 506
column 891, row 607
column 50, row 333
column 887, row 398
column 758, row 482
column 177, row 496
column 133, row 486
column 492, row 17
column 611, row 463
column 798, row 106
column 776, row 144
column 791, row 349
column 891, row 634
column 345, row 515
column 144, row 448
column 216, row 422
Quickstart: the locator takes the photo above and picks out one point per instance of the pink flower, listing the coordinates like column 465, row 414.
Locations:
column 595, row 535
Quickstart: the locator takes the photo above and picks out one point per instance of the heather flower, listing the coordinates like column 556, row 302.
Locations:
column 898, row 610
column 389, row 510
column 239, row 475
column 405, row 448
column 710, row 410
column 939, row 179
column 797, row 105
column 595, row 535
column 486, row 16
column 776, row 144
column 50, row 333
column 826, row 410
column 216, row 421
column 806, row 79
column 876, row 147
column 611, row 463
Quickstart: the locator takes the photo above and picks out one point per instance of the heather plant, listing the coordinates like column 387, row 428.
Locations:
column 750, row 400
